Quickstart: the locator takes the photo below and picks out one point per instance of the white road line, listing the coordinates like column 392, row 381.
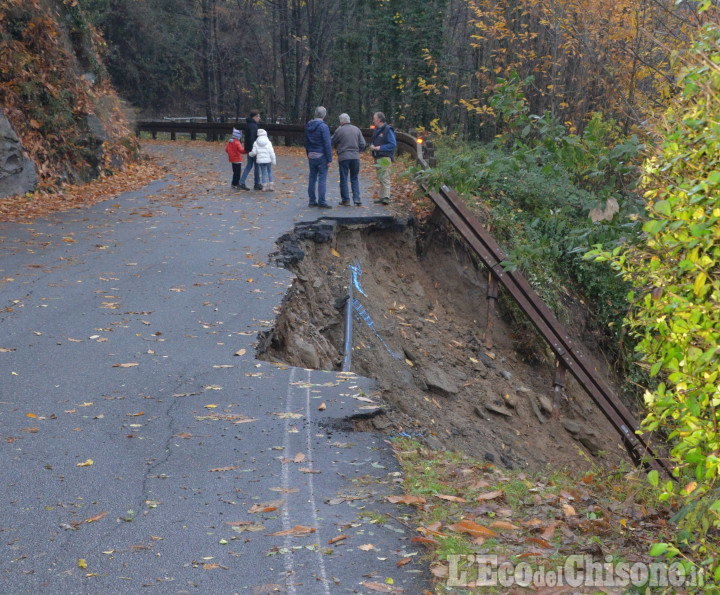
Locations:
column 311, row 485
column 289, row 558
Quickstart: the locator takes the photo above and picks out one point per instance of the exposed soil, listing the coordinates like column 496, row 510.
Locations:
column 426, row 349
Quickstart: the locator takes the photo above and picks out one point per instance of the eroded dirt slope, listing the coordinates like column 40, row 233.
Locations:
column 421, row 336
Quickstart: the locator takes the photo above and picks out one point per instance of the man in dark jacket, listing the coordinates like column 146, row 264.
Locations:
column 250, row 138
column 319, row 153
column 383, row 147
column 348, row 141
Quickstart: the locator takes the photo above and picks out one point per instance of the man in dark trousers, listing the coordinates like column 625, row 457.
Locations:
column 250, row 138
column 383, row 147
column 348, row 141
column 319, row 152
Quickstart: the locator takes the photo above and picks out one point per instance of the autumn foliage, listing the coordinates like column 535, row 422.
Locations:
column 56, row 94
column 576, row 56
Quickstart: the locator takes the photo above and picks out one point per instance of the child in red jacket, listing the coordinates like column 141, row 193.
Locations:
column 235, row 151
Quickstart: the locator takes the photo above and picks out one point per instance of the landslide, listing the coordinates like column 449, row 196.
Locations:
column 419, row 332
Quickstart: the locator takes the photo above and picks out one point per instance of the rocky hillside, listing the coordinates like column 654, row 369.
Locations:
column 61, row 119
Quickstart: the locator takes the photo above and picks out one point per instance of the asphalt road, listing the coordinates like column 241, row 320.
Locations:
column 143, row 448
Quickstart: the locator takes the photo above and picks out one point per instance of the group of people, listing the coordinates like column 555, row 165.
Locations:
column 260, row 155
column 348, row 142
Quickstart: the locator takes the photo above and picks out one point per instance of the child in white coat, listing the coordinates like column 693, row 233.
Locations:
column 264, row 158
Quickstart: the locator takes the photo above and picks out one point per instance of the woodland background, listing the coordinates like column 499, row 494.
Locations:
column 419, row 62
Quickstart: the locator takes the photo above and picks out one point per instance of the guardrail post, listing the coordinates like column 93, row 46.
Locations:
column 492, row 292
column 558, row 386
column 429, row 150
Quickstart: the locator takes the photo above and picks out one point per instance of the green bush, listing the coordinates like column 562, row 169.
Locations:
column 676, row 313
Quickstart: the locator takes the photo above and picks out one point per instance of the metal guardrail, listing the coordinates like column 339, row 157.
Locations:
column 568, row 356
column 293, row 132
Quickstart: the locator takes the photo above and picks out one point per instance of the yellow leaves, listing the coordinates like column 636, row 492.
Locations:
column 32, row 415
column 699, row 283
column 129, row 365
column 335, row 253
column 87, row 463
column 82, row 563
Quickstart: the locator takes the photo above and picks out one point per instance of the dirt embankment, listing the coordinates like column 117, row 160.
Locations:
column 419, row 331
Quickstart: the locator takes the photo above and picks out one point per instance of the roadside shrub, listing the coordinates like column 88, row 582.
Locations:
column 676, row 300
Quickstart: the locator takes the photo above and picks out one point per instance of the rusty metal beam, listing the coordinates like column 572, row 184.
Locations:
column 636, row 442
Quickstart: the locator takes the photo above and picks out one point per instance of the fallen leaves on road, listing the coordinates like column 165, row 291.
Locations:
column 381, row 587
column 236, row 418
column 268, row 506
column 296, row 531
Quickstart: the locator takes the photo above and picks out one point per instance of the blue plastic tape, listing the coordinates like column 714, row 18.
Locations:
column 356, row 274
column 371, row 325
